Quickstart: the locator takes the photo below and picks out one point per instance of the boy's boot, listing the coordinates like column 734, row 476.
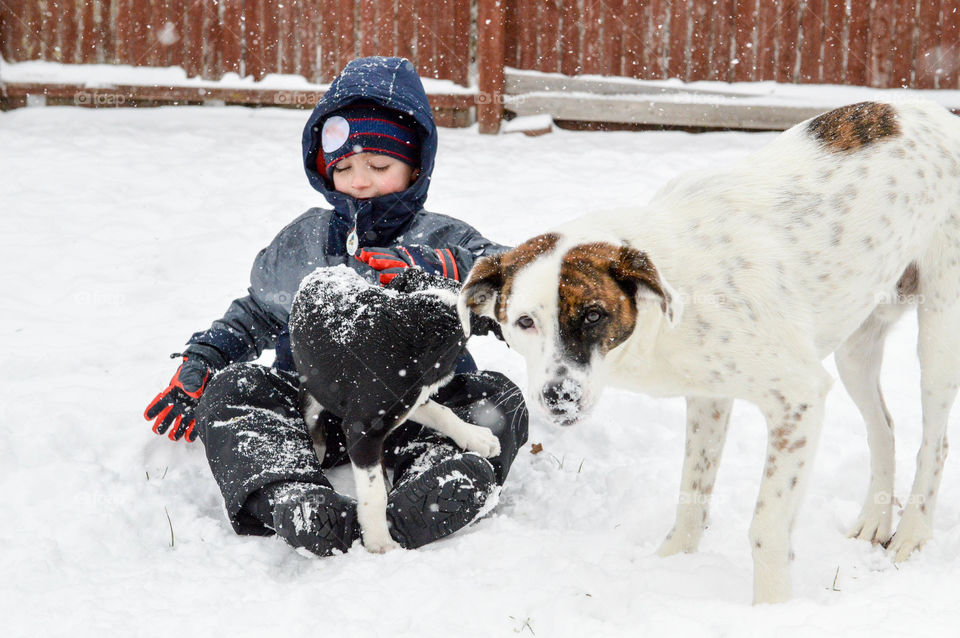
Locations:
column 427, row 506
column 311, row 516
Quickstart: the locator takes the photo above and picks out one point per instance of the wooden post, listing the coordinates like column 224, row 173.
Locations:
column 490, row 62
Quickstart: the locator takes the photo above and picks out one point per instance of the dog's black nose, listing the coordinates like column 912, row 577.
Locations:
column 562, row 399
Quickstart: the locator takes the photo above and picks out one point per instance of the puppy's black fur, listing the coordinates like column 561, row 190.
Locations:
column 367, row 353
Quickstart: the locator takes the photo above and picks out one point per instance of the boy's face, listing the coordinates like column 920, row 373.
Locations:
column 367, row 175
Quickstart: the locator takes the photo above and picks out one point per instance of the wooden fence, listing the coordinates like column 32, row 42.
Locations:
column 880, row 43
column 312, row 38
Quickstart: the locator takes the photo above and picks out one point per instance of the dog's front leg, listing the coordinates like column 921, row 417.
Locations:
column 707, row 421
column 365, row 458
column 794, row 419
column 469, row 437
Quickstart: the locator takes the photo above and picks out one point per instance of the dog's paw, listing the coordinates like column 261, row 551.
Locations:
column 376, row 536
column 914, row 530
column 480, row 440
column 874, row 524
column 379, row 543
column 381, row 548
column 677, row 543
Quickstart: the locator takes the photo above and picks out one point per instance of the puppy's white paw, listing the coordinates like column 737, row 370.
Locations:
column 912, row 532
column 480, row 440
column 379, row 543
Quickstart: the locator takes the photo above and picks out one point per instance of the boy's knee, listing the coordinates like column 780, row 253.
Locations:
column 241, row 387
column 248, row 380
column 508, row 398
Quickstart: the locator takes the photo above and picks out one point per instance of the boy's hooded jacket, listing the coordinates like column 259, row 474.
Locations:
column 319, row 236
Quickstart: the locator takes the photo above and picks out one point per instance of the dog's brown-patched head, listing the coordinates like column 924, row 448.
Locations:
column 597, row 297
column 564, row 306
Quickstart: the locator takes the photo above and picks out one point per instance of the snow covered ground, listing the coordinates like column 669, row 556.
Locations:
column 126, row 230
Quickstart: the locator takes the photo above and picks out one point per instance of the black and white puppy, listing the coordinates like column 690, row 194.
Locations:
column 373, row 357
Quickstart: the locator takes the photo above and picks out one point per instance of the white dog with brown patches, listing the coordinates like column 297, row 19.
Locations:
column 736, row 284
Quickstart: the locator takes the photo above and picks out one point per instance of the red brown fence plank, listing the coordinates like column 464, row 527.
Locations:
column 254, row 63
column 7, row 45
column 858, row 43
column 406, row 29
column 307, row 21
column 70, row 17
column 510, row 33
column 385, row 28
column 169, row 35
column 904, row 42
column 570, row 50
column 149, row 54
column 723, row 40
column 745, row 54
column 768, row 42
column 444, row 40
column 612, row 37
column 346, row 35
column 811, row 49
column 425, row 39
column 789, row 40
column 215, row 60
column 490, row 63
column 328, row 19
column 271, row 35
column 701, row 41
column 106, row 32
column 549, row 37
column 140, row 45
column 949, row 45
column 834, row 45
column 193, row 36
column 12, row 30
column 592, row 46
column 368, row 27
column 50, row 35
column 928, row 56
column 658, row 51
column 526, row 18
column 678, row 49
column 879, row 71
column 288, row 25
column 231, row 37
column 461, row 35
column 157, row 55
column 631, row 37
column 123, row 33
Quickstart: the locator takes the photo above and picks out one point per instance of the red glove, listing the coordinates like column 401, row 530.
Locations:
column 392, row 261
column 173, row 408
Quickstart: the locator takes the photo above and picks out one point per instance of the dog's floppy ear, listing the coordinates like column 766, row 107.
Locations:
column 637, row 274
column 480, row 291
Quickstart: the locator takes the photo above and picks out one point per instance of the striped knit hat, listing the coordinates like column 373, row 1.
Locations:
column 367, row 128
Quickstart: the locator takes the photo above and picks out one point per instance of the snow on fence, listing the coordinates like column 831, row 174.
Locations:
column 877, row 43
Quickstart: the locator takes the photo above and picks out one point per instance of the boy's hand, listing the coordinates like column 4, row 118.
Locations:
column 390, row 262
column 173, row 408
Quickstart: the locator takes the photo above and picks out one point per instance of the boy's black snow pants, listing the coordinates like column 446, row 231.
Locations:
column 254, row 435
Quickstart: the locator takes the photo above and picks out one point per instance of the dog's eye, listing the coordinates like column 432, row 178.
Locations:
column 525, row 322
column 592, row 316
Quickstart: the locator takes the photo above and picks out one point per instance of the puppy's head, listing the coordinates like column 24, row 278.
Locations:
column 565, row 307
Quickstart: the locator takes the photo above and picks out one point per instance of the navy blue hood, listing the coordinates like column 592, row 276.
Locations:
column 392, row 83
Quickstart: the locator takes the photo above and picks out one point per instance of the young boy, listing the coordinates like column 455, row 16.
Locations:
column 369, row 148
